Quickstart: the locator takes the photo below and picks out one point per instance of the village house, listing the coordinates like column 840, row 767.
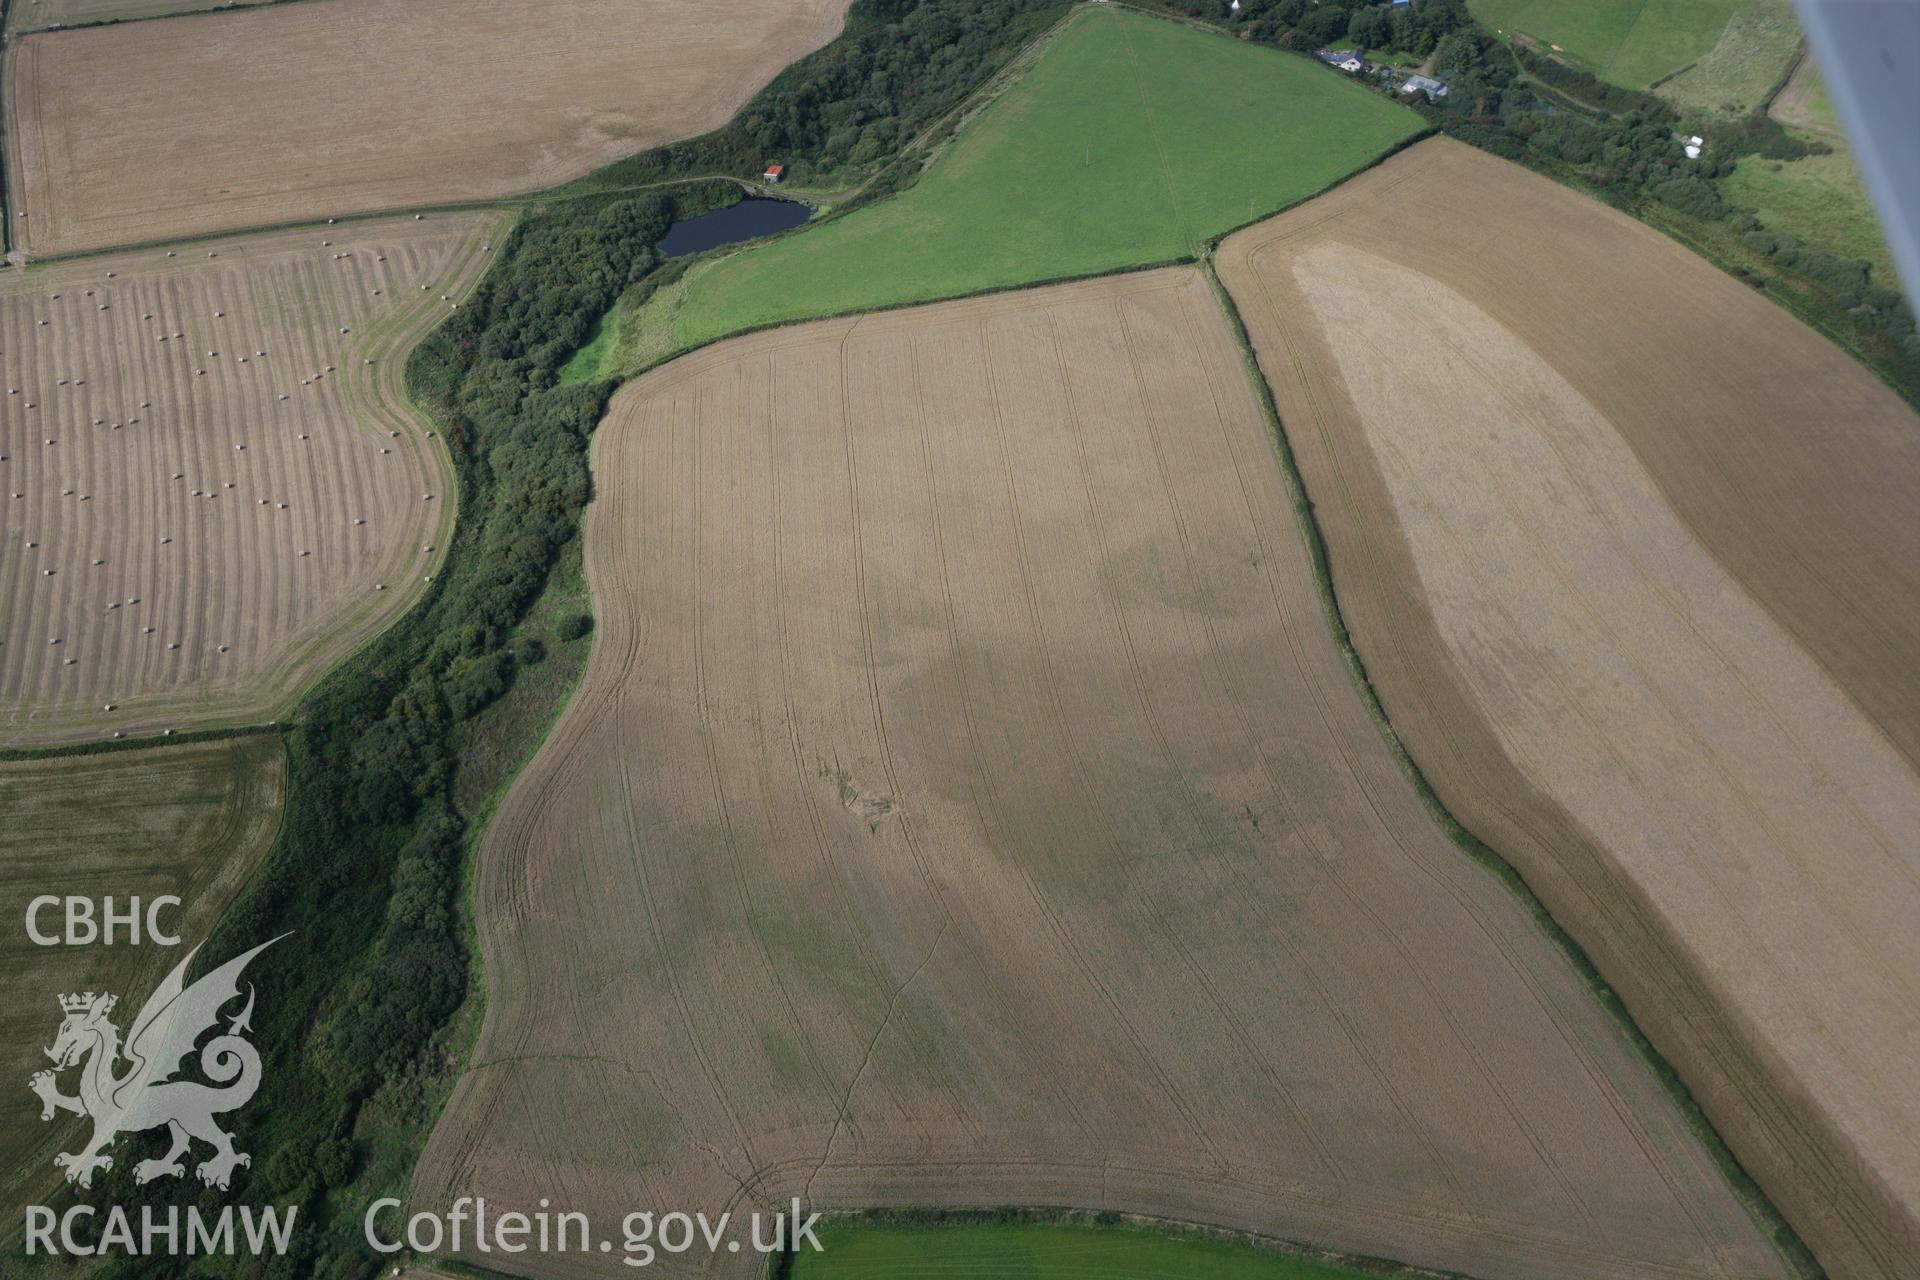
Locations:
column 1348, row 60
column 774, row 174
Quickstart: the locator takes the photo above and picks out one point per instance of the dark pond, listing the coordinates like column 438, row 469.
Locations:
column 743, row 221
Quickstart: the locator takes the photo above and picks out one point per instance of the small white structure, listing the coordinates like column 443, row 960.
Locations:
column 1348, row 60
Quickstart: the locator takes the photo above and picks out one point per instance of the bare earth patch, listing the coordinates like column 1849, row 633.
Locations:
column 966, row 803
column 1631, row 556
column 218, row 121
column 213, row 485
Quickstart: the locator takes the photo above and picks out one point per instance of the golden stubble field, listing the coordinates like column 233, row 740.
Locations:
column 192, row 821
column 966, row 803
column 212, row 483
column 218, row 121
column 1631, row 556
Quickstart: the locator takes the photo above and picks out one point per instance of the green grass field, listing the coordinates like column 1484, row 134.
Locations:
column 1628, row 42
column 1131, row 140
column 1735, row 76
column 590, row 361
column 1806, row 104
column 1046, row 1251
column 1816, row 197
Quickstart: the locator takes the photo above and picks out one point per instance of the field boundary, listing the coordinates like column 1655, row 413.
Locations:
column 780, row 1266
column 1775, row 293
column 1767, row 1217
column 145, row 743
column 6, row 201
column 501, row 204
column 624, row 376
column 1765, row 105
column 211, row 6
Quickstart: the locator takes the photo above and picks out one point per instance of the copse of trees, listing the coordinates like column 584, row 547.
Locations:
column 1306, row 24
column 1584, row 86
column 845, row 110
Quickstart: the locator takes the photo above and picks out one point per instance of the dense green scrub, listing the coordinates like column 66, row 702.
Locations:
column 980, row 1249
column 843, row 112
column 1131, row 140
column 1819, row 198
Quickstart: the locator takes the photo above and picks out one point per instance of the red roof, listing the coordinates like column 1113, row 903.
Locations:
column 775, row 170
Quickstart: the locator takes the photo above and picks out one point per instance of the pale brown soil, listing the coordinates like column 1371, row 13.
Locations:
column 211, row 122
column 192, row 821
column 966, row 803
column 1631, row 557
column 274, row 456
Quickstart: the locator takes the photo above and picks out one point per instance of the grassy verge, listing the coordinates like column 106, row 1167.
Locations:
column 1059, row 1245
column 132, row 11
column 589, row 363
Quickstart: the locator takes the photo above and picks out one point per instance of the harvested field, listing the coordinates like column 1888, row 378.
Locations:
column 1630, row 556
column 151, row 131
column 213, row 484
column 192, row 821
column 966, row 802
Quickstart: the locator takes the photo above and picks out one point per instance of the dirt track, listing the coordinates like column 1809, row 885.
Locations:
column 1631, row 557
column 180, row 516
column 211, row 122
column 966, row 803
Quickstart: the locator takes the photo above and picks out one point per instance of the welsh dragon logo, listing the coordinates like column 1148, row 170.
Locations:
column 144, row 1095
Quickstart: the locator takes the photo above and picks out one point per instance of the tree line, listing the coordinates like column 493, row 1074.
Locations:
column 1616, row 143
